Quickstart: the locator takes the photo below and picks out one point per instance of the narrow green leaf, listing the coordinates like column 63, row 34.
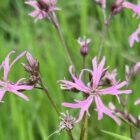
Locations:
column 120, row 137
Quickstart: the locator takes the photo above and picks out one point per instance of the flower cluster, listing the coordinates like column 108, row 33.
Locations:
column 8, row 86
column 93, row 90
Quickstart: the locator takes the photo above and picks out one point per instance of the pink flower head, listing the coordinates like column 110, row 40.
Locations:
column 42, row 8
column 6, row 85
column 102, row 3
column 134, row 37
column 93, row 91
column 137, row 102
column 133, row 7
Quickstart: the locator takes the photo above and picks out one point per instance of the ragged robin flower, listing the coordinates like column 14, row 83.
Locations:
column 93, row 91
column 6, row 85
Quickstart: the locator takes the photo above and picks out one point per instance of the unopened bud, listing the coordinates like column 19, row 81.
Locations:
column 32, row 68
column 84, row 43
column 117, row 7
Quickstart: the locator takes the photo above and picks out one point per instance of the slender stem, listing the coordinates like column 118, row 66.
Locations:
column 103, row 35
column 83, row 67
column 70, row 134
column 83, row 135
column 49, row 97
column 102, row 42
column 131, row 132
column 54, row 105
column 58, row 29
column 64, row 44
column 130, row 124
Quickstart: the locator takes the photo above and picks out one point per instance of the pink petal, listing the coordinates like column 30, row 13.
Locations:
column 134, row 8
column 136, row 68
column 134, row 37
column 20, row 95
column 17, row 58
column 34, row 13
column 6, row 66
column 2, row 93
column 24, row 87
column 100, row 108
column 77, row 83
column 97, row 71
column 114, row 90
column 83, row 105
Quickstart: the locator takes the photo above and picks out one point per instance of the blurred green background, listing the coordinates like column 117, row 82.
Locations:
column 35, row 120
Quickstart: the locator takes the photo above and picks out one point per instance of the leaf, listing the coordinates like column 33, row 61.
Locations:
column 120, row 137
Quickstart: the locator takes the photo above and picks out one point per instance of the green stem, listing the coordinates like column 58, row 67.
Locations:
column 129, row 123
column 83, row 134
column 49, row 97
column 54, row 105
column 59, row 32
column 70, row 134
column 103, row 35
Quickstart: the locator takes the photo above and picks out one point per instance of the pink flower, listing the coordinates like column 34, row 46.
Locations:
column 43, row 8
column 6, row 85
column 93, row 92
column 134, row 37
column 133, row 7
column 137, row 102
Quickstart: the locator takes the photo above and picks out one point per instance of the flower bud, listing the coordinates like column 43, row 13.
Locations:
column 117, row 7
column 84, row 46
column 32, row 68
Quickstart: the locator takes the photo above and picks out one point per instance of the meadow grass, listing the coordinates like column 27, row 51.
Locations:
column 35, row 120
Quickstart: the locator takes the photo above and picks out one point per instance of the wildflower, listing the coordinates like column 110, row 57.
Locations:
column 84, row 46
column 67, row 121
column 43, row 8
column 6, row 85
column 134, row 37
column 102, row 3
column 133, row 7
column 93, row 92
column 117, row 7
column 137, row 102
column 32, row 68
